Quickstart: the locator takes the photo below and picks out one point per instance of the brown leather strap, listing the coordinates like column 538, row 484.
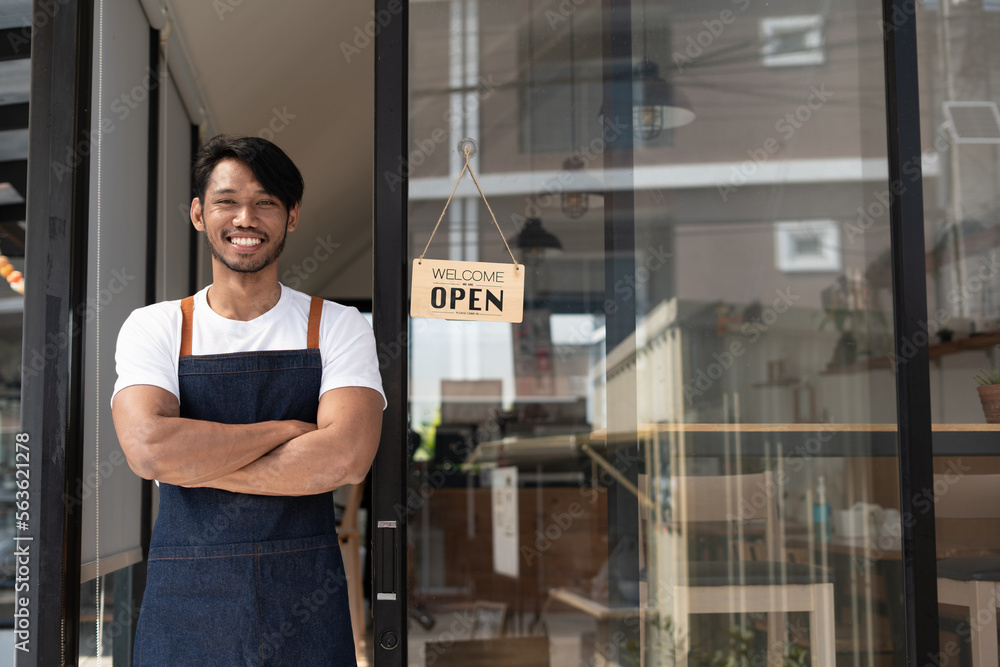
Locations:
column 315, row 312
column 187, row 324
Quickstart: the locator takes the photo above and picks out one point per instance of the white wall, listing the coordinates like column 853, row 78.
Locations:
column 173, row 257
column 118, row 195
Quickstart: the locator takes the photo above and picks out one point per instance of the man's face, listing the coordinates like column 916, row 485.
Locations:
column 244, row 225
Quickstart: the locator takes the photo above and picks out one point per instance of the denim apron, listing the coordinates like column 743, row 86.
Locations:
column 236, row 579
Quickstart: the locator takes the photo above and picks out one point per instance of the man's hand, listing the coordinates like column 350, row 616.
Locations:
column 159, row 444
column 339, row 452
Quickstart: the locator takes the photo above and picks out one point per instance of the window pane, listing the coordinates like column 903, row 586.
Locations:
column 961, row 134
column 682, row 436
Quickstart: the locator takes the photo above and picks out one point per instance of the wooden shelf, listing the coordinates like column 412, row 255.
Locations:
column 977, row 342
column 936, row 351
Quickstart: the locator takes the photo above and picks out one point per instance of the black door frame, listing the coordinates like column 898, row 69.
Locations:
column 54, row 306
column 909, row 295
column 390, row 319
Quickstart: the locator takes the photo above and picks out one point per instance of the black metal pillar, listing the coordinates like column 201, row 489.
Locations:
column 60, row 143
column 390, row 319
column 910, row 312
column 620, row 312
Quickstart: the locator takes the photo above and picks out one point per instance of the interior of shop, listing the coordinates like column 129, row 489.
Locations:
column 685, row 451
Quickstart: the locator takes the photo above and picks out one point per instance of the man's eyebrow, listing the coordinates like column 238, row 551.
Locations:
column 230, row 191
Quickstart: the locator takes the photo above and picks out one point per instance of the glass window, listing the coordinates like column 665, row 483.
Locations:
column 960, row 128
column 688, row 434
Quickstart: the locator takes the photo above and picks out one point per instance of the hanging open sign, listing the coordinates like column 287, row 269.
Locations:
column 480, row 291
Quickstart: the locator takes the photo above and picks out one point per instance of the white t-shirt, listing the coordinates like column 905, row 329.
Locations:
column 150, row 341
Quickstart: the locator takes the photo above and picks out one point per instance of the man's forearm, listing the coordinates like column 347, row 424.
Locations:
column 189, row 451
column 339, row 452
column 312, row 463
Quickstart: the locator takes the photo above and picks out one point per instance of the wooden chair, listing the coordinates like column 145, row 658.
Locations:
column 971, row 582
column 741, row 586
column 350, row 547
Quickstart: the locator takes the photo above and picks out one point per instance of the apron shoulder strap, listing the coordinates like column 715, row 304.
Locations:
column 187, row 323
column 315, row 313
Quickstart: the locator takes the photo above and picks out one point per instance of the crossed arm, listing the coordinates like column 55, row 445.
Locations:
column 286, row 458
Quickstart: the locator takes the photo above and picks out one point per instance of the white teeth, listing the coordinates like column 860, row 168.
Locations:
column 244, row 241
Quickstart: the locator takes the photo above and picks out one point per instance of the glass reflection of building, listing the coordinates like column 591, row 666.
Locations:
column 760, row 280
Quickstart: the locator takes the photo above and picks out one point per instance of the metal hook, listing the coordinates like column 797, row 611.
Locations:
column 468, row 147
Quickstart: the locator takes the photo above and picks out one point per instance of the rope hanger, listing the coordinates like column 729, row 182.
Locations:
column 469, row 149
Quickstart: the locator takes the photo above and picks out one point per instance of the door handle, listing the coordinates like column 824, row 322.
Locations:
column 385, row 548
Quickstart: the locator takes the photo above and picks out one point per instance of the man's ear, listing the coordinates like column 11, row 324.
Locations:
column 293, row 219
column 197, row 218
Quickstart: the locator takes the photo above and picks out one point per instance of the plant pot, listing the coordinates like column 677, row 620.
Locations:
column 989, row 394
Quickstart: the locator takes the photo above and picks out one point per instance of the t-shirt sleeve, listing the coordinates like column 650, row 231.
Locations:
column 349, row 355
column 146, row 351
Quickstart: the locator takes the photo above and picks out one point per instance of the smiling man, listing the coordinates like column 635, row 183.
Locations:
column 249, row 403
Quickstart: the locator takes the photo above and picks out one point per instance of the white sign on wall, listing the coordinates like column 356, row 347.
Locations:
column 506, row 534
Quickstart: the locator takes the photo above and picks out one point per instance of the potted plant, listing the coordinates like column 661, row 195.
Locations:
column 989, row 393
column 852, row 309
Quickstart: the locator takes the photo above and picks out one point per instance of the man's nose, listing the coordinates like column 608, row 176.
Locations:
column 245, row 216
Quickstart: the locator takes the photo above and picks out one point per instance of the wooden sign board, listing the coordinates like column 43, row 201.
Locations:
column 480, row 291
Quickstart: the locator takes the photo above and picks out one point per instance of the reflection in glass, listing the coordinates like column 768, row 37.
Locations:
column 717, row 484
column 960, row 124
column 11, row 307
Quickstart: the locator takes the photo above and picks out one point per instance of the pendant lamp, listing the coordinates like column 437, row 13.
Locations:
column 575, row 200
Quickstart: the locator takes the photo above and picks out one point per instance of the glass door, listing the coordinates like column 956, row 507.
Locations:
column 685, row 452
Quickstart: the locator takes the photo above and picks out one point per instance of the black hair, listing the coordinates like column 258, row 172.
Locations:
column 270, row 166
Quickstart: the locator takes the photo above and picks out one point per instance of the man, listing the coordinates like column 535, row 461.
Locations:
column 248, row 403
